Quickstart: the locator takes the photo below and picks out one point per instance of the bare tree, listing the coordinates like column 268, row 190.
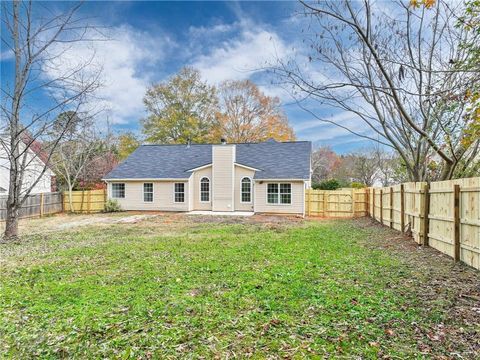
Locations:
column 324, row 163
column 397, row 68
column 75, row 151
column 364, row 167
column 39, row 37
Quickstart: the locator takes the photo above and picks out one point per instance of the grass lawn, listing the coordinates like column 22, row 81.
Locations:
column 189, row 287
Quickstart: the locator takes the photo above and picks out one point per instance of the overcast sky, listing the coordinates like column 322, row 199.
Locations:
column 233, row 40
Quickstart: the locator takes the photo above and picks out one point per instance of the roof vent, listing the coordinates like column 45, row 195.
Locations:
column 223, row 141
column 189, row 142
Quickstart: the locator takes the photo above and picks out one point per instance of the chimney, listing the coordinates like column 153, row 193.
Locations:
column 223, row 141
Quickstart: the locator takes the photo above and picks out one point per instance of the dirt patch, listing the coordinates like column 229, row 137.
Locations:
column 436, row 280
column 64, row 221
column 93, row 220
column 255, row 219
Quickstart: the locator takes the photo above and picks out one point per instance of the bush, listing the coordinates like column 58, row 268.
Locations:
column 112, row 206
column 357, row 185
column 331, row 184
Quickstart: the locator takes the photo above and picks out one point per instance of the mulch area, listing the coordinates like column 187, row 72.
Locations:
column 436, row 279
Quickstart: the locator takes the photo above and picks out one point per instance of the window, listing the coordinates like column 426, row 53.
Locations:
column 148, row 192
column 246, row 190
column 279, row 193
column 285, row 193
column 179, row 192
column 205, row 190
column 118, row 191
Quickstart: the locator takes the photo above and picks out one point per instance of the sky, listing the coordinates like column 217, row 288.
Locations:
column 151, row 41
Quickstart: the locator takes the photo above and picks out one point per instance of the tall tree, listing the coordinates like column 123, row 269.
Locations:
column 248, row 115
column 180, row 109
column 397, row 69
column 324, row 163
column 127, row 143
column 38, row 37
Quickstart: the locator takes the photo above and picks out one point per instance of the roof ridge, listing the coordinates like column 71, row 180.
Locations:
column 244, row 143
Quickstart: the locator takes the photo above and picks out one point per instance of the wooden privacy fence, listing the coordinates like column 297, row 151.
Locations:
column 345, row 203
column 86, row 201
column 35, row 205
column 444, row 215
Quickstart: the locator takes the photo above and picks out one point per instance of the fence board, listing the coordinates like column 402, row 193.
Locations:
column 437, row 228
column 86, row 201
column 34, row 206
column 344, row 203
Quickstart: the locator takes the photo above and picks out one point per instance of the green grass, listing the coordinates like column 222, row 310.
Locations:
column 206, row 290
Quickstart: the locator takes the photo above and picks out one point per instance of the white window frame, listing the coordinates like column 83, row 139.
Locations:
column 241, row 190
column 175, row 192
column 209, row 190
column 113, row 192
column 153, row 192
column 279, row 194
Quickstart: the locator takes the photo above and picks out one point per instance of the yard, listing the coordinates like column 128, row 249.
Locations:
column 200, row 287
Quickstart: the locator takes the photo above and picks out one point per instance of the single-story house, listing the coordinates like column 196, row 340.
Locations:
column 265, row 177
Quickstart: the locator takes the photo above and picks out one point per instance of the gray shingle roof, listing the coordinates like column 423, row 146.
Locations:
column 275, row 160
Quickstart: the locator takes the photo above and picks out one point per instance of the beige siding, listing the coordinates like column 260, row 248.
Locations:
column 223, row 158
column 298, row 198
column 240, row 173
column 163, row 196
column 197, row 176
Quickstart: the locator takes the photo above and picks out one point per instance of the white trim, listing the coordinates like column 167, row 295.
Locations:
column 200, row 167
column 213, row 179
column 279, row 194
column 246, row 167
column 209, row 190
column 184, row 192
column 153, row 192
column 251, row 190
column 303, row 202
column 146, row 179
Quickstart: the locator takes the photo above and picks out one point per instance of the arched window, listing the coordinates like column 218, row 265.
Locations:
column 246, row 190
column 204, row 189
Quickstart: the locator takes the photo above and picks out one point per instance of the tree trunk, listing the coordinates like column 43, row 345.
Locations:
column 11, row 226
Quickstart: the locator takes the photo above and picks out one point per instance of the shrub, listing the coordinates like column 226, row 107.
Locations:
column 112, row 206
column 331, row 184
column 357, row 185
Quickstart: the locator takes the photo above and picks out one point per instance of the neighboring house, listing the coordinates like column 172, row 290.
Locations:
column 35, row 160
column 267, row 177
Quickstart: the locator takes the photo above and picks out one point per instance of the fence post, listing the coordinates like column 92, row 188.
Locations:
column 456, row 217
column 391, row 207
column 41, row 205
column 426, row 212
column 381, row 206
column 325, row 203
column 402, row 209
column 373, row 203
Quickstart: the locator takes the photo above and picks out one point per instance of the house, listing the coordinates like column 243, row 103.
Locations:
column 35, row 162
column 265, row 177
